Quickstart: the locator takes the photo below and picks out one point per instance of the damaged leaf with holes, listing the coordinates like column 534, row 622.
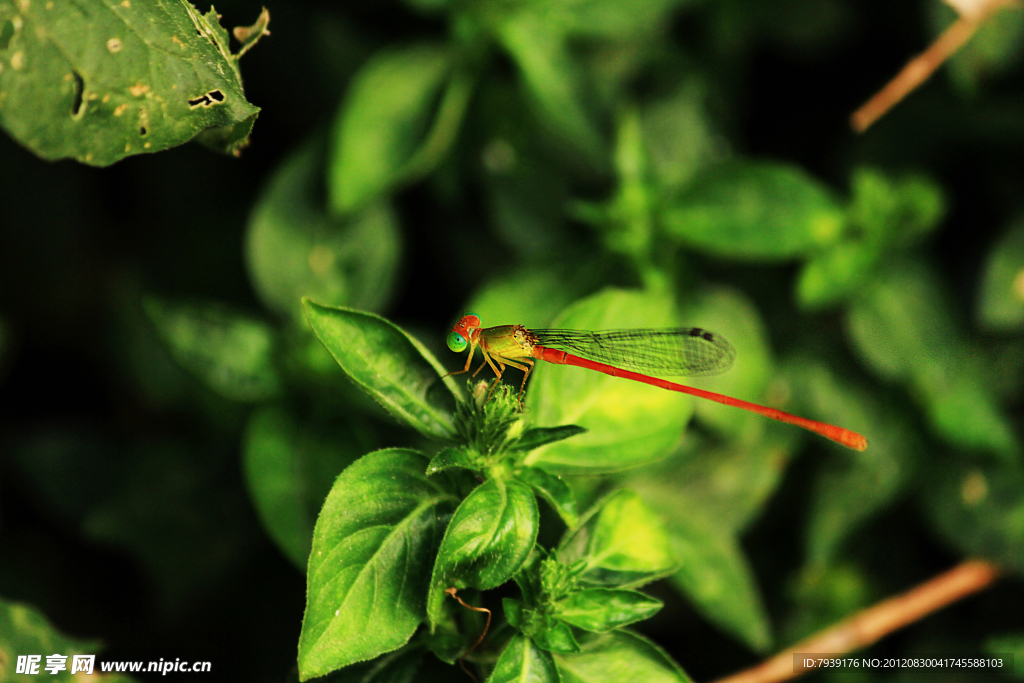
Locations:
column 100, row 80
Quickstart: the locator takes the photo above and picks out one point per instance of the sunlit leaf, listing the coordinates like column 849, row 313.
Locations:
column 233, row 354
column 369, row 567
column 98, row 80
column 389, row 365
column 622, row 543
column 295, row 249
column 628, row 423
column 755, row 210
column 619, row 656
column 487, row 541
column 523, row 662
column 604, row 609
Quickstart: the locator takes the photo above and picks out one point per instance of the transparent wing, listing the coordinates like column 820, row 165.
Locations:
column 679, row 351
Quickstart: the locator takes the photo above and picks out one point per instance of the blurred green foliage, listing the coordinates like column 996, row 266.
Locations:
column 175, row 412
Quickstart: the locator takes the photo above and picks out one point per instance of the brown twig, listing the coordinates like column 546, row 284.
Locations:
column 916, row 72
column 873, row 623
column 452, row 592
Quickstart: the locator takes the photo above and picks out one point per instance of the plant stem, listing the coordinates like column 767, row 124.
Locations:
column 870, row 625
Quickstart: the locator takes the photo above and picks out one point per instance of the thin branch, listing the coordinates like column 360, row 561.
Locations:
column 872, row 624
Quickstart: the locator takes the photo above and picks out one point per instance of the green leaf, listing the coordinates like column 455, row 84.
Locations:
column 1001, row 299
column 621, row 541
column 368, row 573
column 715, row 575
column 555, row 636
column 487, row 541
column 289, row 469
column 1009, row 644
column 553, row 490
column 629, row 424
column 542, row 436
column 603, row 609
column 851, row 488
column 455, row 456
column 98, row 80
column 389, row 365
column 523, row 662
column 24, row 630
column 679, row 135
column 619, row 656
column 381, row 132
column 836, row 273
column 553, row 80
column 231, row 353
column 527, row 296
column 979, row 509
column 760, row 211
column 294, row 248
column 728, row 483
column 900, row 326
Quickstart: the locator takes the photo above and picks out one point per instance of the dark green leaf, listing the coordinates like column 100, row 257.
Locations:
column 616, row 657
column 368, row 570
column 552, row 489
column 523, row 662
column 763, row 211
column 487, row 541
column 603, row 609
column 289, row 469
column 553, row 79
column 295, row 249
column 979, row 509
column 1001, row 299
column 231, row 353
column 528, row 296
column 715, row 575
column 513, row 612
column 542, row 436
column 97, row 81
column 554, row 636
column 380, row 134
column 901, row 327
column 853, row 486
column 455, row 456
column 629, row 424
column 622, row 542
column 389, row 365
column 679, row 135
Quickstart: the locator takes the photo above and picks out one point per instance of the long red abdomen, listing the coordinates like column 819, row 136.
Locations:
column 842, row 436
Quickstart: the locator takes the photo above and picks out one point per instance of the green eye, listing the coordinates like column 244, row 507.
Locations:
column 456, row 342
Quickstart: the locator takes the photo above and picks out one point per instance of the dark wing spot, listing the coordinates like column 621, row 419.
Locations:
column 708, row 336
column 142, row 130
column 696, row 332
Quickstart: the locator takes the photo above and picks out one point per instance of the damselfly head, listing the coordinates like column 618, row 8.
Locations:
column 459, row 337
